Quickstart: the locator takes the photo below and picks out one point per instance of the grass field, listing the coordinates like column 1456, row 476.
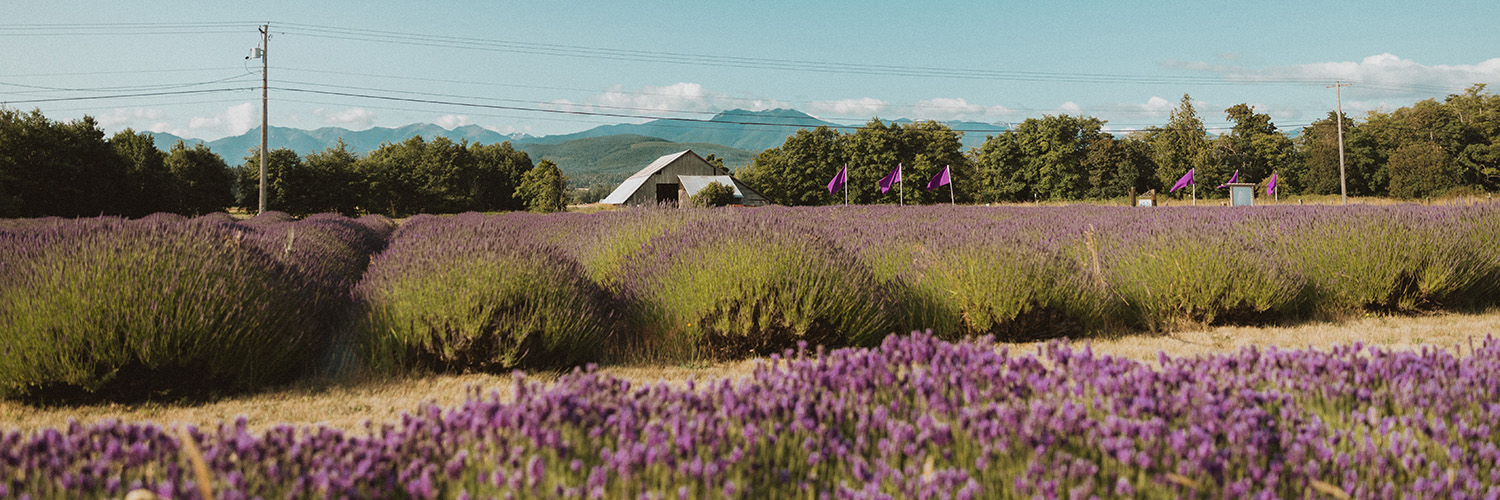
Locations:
column 348, row 404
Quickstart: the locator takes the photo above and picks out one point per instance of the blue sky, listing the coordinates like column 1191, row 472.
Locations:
column 533, row 67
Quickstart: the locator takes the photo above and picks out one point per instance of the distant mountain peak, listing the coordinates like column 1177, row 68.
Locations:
column 779, row 113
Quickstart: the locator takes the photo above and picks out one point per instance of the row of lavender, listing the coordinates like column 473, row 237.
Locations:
column 729, row 283
column 916, row 417
column 89, row 302
column 126, row 309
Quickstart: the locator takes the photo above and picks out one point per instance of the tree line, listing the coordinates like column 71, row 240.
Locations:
column 71, row 169
column 1431, row 148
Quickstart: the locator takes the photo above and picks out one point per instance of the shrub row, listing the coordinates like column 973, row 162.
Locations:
column 86, row 302
column 914, row 418
column 133, row 308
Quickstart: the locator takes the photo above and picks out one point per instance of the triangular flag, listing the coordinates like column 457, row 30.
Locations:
column 839, row 180
column 1232, row 179
column 1183, row 182
column 890, row 179
column 939, row 180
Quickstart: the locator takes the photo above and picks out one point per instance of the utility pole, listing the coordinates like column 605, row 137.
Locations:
column 1338, row 93
column 265, row 38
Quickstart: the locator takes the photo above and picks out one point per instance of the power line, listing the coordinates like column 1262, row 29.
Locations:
column 123, row 96
column 621, row 115
column 418, row 39
column 164, row 86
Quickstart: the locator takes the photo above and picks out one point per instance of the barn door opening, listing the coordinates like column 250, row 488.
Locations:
column 666, row 193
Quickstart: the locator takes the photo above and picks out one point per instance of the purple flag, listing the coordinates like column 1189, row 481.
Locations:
column 838, row 180
column 941, row 179
column 1271, row 186
column 1232, row 179
column 890, row 179
column 1183, row 182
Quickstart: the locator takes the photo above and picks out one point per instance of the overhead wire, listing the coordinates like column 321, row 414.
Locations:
column 418, row 39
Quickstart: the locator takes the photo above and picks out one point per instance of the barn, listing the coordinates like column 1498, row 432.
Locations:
column 675, row 178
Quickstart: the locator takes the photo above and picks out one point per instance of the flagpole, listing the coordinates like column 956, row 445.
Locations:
column 951, row 199
column 1195, row 193
column 846, row 184
column 901, row 192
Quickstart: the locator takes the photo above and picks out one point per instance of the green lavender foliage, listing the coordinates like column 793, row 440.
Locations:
column 744, row 283
column 165, row 305
column 478, row 292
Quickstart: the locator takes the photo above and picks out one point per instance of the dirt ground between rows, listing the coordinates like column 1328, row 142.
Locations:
column 349, row 404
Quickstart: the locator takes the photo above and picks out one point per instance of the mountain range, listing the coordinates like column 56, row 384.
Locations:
column 604, row 154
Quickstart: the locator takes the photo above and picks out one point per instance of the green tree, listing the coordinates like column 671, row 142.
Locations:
column 204, row 182
column 1046, row 158
column 149, row 186
column 542, row 188
column 1116, row 166
column 1478, row 112
column 59, row 169
column 285, row 182
column 1316, row 170
column 1002, row 173
column 416, row 176
column 1254, row 147
column 498, row 170
column 798, row 171
column 717, row 163
column 1422, row 169
column 331, row 183
column 594, row 193
column 1181, row 145
column 715, row 194
column 936, row 146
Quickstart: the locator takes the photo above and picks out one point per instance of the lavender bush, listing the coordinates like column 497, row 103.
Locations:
column 745, row 283
column 136, row 308
column 915, row 418
column 478, row 292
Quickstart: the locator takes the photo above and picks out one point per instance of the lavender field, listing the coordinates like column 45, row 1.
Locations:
column 915, row 417
column 166, row 307
column 100, row 306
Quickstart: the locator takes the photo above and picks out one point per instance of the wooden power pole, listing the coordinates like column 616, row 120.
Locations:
column 265, row 38
column 1343, row 184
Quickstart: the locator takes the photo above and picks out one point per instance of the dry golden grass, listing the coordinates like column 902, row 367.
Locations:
column 349, row 404
column 1451, row 331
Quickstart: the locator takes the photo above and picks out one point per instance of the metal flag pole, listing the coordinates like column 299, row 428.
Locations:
column 951, row 199
column 846, row 184
column 901, row 186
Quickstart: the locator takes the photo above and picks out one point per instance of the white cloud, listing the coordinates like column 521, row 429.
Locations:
column 1156, row 107
column 131, row 118
column 681, row 96
column 1070, row 108
column 1378, row 75
column 453, row 121
column 235, row 120
column 685, row 97
column 510, row 129
column 862, row 107
column 945, row 108
column 354, row 118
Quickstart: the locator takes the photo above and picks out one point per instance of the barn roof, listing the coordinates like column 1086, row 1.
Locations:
column 695, row 183
column 622, row 194
column 659, row 163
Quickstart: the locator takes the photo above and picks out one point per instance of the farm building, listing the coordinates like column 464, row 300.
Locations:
column 675, row 178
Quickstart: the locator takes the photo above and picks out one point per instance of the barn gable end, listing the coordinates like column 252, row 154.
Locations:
column 662, row 182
